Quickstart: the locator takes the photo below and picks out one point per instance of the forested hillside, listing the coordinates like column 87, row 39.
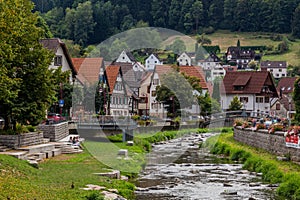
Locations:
column 90, row 22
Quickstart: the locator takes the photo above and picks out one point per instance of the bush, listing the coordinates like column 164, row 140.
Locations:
column 94, row 196
column 289, row 189
column 31, row 128
column 21, row 129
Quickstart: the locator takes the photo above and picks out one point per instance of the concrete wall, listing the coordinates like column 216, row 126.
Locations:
column 273, row 143
column 26, row 139
column 55, row 132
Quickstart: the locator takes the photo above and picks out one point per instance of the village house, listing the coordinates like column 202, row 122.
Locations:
column 240, row 57
column 255, row 89
column 144, row 94
column 62, row 57
column 152, row 61
column 185, row 59
column 126, row 57
column 284, row 105
column 277, row 68
column 117, row 90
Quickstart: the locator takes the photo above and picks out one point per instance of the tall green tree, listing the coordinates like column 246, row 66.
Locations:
column 174, row 14
column 296, row 98
column 24, row 65
column 175, row 91
column 296, row 22
column 235, row 104
column 79, row 23
column 197, row 13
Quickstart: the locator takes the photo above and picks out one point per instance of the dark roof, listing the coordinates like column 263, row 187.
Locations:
column 286, row 84
column 238, row 53
column 285, row 102
column 273, row 64
column 212, row 58
column 131, row 77
column 53, row 44
column 130, row 56
column 235, row 83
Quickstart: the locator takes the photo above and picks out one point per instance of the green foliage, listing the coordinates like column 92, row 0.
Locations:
column 28, row 87
column 296, row 99
column 177, row 46
column 95, row 195
column 235, row 104
column 289, row 189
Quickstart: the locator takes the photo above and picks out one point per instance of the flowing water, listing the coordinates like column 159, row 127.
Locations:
column 179, row 169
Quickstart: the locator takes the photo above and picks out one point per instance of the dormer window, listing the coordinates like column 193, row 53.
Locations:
column 58, row 61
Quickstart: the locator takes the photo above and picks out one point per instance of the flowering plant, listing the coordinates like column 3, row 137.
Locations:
column 275, row 127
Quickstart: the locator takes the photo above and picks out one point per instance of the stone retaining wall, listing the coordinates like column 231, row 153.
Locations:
column 26, row 139
column 55, row 132
column 273, row 143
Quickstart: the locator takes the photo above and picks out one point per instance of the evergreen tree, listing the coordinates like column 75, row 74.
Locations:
column 235, row 104
column 296, row 22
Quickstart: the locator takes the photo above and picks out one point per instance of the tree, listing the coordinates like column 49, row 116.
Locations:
column 235, row 104
column 197, row 13
column 296, row 99
column 174, row 15
column 296, row 22
column 205, row 104
column 177, row 46
column 216, row 89
column 79, row 23
column 175, row 92
column 24, row 66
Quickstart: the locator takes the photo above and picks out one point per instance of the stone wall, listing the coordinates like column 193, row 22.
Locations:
column 273, row 143
column 26, row 139
column 55, row 132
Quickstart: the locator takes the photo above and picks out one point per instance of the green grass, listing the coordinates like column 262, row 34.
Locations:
column 258, row 160
column 225, row 38
column 54, row 177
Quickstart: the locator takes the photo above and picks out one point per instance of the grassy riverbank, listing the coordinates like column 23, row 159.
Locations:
column 54, row 177
column 287, row 174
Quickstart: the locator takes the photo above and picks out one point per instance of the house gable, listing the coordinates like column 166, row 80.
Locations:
column 126, row 57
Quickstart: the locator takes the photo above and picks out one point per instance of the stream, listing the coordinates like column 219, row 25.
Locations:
column 179, row 169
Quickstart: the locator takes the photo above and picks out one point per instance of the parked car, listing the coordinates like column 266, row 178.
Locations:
column 55, row 117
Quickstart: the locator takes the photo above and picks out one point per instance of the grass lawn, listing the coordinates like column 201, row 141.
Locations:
column 54, row 177
column 225, row 38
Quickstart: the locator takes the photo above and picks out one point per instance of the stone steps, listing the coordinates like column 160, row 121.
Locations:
column 4, row 148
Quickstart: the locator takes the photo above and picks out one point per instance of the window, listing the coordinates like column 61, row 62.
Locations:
column 155, row 81
column 58, row 60
column 271, row 70
column 280, row 70
column 278, row 106
column 259, row 99
column 267, row 99
column 153, row 93
column 277, row 75
column 244, row 99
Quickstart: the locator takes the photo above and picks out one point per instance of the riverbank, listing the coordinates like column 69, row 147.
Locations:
column 284, row 173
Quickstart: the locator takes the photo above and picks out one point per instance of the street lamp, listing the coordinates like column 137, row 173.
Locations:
column 289, row 113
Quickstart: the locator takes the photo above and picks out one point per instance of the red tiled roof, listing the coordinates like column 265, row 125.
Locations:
column 112, row 73
column 163, row 69
column 257, row 79
column 196, row 72
column 286, row 84
column 89, row 68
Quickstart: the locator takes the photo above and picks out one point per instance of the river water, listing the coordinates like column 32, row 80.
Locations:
column 179, row 169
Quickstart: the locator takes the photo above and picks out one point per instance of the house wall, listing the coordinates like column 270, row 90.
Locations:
column 278, row 72
column 217, row 71
column 251, row 105
column 123, row 58
column 184, row 59
column 151, row 61
column 119, row 100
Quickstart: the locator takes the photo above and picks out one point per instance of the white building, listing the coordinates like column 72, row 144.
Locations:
column 185, row 59
column 255, row 89
column 151, row 62
column 277, row 68
column 126, row 57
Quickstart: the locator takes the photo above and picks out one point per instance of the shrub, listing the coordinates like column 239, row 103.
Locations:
column 21, row 129
column 289, row 189
column 238, row 122
column 31, row 128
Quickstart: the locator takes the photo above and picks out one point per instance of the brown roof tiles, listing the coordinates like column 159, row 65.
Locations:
column 112, row 73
